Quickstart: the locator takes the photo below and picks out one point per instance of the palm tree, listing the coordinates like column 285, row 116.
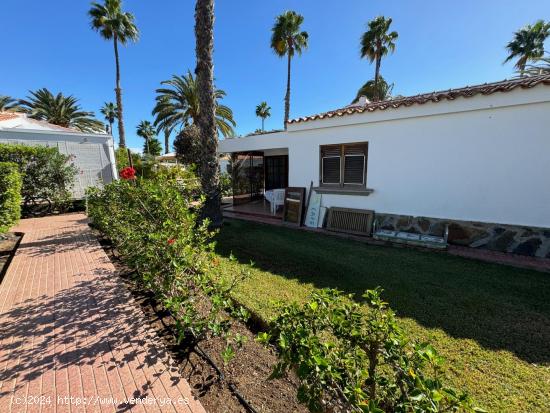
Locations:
column 146, row 130
column 113, row 24
column 8, row 104
column 109, row 110
column 373, row 92
column 206, row 117
column 60, row 110
column 287, row 39
column 376, row 43
column 528, row 44
column 263, row 111
column 163, row 108
column 178, row 105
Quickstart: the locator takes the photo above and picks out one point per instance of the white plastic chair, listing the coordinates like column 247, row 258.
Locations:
column 277, row 200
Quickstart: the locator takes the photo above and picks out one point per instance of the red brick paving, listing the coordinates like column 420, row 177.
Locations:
column 70, row 328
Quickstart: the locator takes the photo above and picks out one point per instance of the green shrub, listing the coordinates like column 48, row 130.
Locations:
column 155, row 227
column 10, row 195
column 349, row 359
column 48, row 176
column 226, row 184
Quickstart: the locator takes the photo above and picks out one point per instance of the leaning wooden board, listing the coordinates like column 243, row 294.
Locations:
column 294, row 205
column 312, row 215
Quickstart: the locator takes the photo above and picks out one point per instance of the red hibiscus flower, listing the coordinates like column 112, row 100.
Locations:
column 128, row 173
column 171, row 241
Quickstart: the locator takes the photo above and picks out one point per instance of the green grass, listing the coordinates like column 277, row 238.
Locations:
column 491, row 322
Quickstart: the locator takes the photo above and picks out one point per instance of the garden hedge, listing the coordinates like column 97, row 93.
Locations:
column 154, row 224
column 47, row 174
column 10, row 195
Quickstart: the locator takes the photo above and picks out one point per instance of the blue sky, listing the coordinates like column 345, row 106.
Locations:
column 441, row 44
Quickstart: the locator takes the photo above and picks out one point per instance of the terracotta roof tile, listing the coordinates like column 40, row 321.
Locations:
column 451, row 94
column 7, row 116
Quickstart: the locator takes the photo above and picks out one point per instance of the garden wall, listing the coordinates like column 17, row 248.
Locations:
column 496, row 237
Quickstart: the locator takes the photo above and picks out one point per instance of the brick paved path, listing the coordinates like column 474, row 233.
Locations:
column 70, row 328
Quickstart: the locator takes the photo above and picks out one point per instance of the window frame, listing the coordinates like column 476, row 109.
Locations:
column 342, row 150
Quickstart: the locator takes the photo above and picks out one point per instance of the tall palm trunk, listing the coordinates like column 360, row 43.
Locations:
column 377, row 77
column 263, row 124
column 166, row 140
column 118, row 91
column 522, row 63
column 287, row 96
column 206, row 120
column 111, row 127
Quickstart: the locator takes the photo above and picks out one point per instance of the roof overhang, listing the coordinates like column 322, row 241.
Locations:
column 48, row 135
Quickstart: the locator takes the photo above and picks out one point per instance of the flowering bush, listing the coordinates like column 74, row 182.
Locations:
column 349, row 359
column 155, row 227
column 128, row 173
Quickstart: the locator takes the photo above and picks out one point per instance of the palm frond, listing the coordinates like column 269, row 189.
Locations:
column 177, row 105
column 286, row 37
column 60, row 110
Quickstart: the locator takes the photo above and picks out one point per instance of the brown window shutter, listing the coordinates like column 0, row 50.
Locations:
column 330, row 164
column 355, row 162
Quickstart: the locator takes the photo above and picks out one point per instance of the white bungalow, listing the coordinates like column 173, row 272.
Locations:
column 475, row 160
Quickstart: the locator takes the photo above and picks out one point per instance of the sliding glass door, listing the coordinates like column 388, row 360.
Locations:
column 248, row 176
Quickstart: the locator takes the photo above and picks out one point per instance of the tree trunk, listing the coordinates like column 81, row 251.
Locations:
column 206, row 119
column 263, row 119
column 118, row 92
column 166, row 140
column 287, row 96
column 111, row 128
column 377, row 77
column 521, row 65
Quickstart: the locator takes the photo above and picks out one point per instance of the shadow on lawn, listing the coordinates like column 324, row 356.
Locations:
column 502, row 308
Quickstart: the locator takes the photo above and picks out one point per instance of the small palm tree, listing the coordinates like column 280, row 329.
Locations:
column 162, row 110
column 60, row 110
column 177, row 105
column 109, row 111
column 376, row 43
column 374, row 92
column 528, row 44
column 113, row 24
column 155, row 147
column 146, row 130
column 286, row 40
column 263, row 111
column 9, row 104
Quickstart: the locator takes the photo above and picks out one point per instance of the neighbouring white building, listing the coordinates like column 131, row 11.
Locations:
column 476, row 159
column 92, row 154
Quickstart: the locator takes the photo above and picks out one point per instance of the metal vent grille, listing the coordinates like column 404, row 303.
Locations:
column 352, row 221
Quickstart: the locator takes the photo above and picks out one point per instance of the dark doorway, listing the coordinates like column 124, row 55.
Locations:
column 276, row 172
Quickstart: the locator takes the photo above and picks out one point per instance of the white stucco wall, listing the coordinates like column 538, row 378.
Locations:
column 484, row 159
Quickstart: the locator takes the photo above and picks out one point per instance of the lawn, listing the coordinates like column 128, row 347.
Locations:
column 491, row 322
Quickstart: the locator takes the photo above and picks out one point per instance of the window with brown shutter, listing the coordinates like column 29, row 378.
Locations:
column 344, row 165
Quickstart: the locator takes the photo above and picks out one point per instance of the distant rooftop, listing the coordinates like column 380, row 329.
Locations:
column 17, row 120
